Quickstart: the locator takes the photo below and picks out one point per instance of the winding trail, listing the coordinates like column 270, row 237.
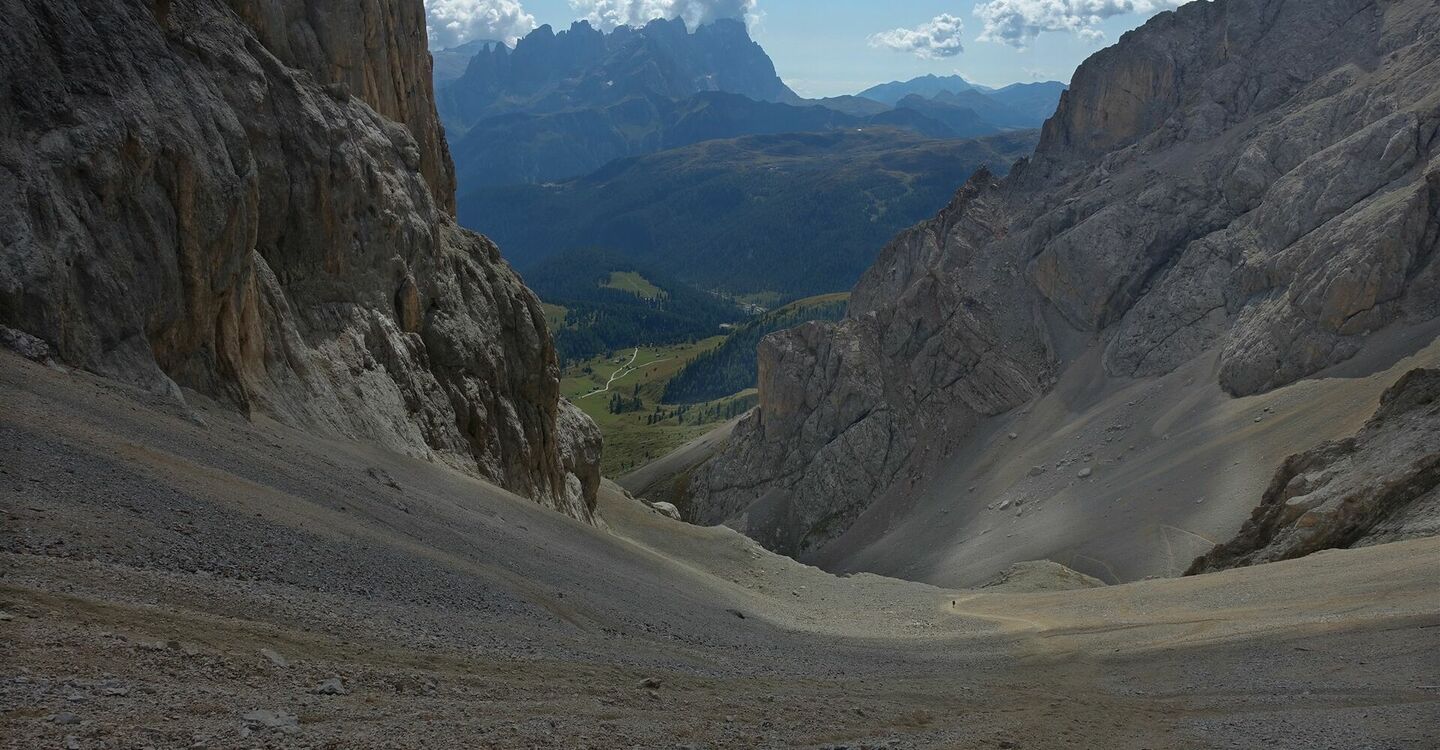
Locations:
column 624, row 370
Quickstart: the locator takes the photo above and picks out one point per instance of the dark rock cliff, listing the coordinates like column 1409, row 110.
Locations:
column 252, row 199
column 1255, row 178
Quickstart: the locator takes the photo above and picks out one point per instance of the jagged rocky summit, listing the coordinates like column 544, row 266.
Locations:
column 254, row 199
column 583, row 67
column 1252, row 179
column 560, row 105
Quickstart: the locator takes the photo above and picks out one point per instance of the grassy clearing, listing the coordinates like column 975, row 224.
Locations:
column 647, row 430
column 554, row 315
column 816, row 301
column 624, row 392
column 766, row 300
column 634, row 283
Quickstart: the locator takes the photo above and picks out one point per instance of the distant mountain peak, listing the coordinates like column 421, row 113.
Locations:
column 473, row 46
column 584, row 67
column 450, row 63
column 927, row 85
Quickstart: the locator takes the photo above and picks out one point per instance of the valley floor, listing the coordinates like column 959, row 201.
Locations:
column 647, row 429
column 178, row 579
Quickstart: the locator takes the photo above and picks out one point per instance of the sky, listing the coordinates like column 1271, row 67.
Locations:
column 833, row 47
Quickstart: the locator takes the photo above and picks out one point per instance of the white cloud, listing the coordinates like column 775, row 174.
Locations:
column 607, row 14
column 451, row 23
column 1018, row 22
column 933, row 40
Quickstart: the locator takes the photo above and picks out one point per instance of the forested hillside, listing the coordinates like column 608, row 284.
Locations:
column 611, row 302
column 799, row 214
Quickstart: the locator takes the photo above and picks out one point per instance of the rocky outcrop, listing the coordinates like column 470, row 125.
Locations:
column 25, row 345
column 1252, row 178
column 841, row 405
column 1382, row 485
column 252, row 199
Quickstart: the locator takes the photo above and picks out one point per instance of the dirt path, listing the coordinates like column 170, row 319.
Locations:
column 624, row 370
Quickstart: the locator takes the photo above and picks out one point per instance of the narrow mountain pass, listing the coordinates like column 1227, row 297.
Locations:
column 306, row 588
column 1125, row 435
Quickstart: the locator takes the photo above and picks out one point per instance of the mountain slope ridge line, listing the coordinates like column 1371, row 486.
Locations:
column 1153, row 227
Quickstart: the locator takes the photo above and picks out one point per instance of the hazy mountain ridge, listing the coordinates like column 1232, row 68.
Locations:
column 798, row 214
column 537, row 148
column 561, row 105
column 926, row 86
column 450, row 64
column 1018, row 105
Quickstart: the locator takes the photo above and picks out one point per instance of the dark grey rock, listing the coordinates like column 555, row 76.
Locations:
column 24, row 344
column 332, row 686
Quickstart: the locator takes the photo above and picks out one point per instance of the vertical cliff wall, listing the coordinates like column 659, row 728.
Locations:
column 253, row 199
column 375, row 50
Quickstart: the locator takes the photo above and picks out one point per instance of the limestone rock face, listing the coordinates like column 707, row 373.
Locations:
column 252, row 199
column 370, row 49
column 1382, row 485
column 1255, row 178
column 841, row 405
